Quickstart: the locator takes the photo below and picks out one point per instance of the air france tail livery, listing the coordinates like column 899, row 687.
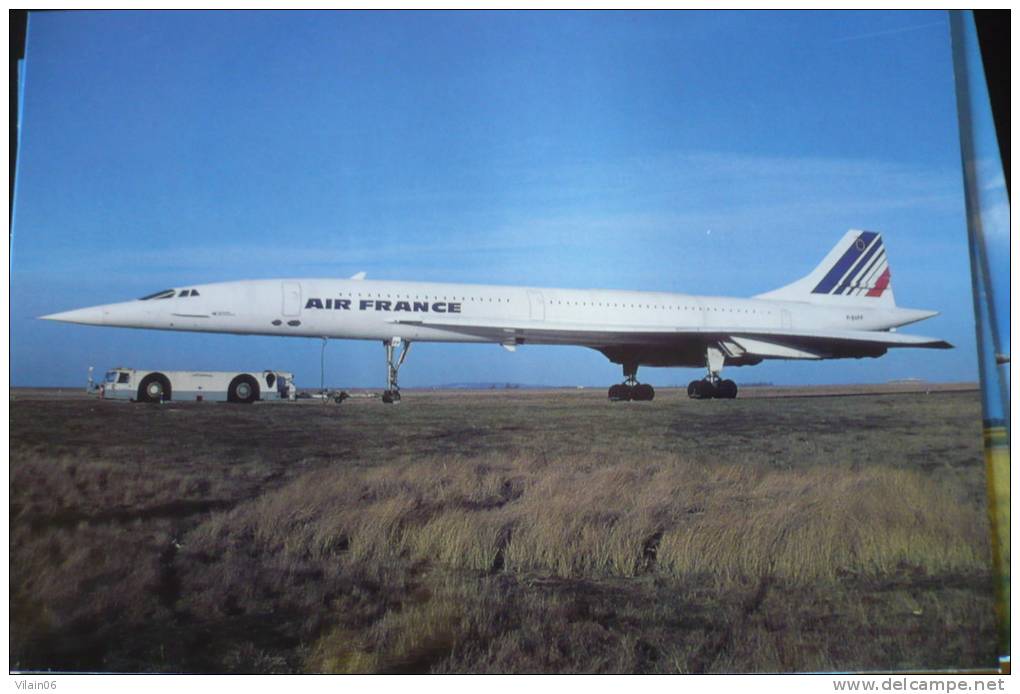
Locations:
column 844, row 308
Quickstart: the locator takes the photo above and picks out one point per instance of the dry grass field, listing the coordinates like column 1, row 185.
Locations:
column 504, row 531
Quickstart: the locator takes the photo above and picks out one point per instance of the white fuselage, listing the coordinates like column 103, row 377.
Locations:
column 370, row 309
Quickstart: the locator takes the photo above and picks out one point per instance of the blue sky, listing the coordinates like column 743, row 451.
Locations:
column 703, row 152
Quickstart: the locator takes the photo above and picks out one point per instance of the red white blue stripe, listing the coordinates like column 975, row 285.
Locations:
column 862, row 269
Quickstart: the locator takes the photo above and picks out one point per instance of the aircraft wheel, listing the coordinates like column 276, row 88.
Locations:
column 644, row 392
column 243, row 390
column 619, row 393
column 702, row 390
column 726, row 389
column 391, row 396
column 154, row 388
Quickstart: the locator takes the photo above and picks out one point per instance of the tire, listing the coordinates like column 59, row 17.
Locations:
column 726, row 389
column 621, row 392
column 701, row 390
column 243, row 390
column 643, row 392
column 154, row 388
column 391, row 396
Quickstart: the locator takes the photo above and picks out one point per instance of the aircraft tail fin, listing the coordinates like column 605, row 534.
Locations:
column 855, row 272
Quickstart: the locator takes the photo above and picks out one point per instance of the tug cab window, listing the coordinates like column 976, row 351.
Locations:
column 124, row 377
column 165, row 294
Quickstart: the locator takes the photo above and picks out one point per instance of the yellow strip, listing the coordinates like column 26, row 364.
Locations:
column 997, row 470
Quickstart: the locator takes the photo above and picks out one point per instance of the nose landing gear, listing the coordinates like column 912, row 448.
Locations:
column 392, row 393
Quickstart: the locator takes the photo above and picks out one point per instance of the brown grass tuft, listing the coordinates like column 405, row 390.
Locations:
column 573, row 519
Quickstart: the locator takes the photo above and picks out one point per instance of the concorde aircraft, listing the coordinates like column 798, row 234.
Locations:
column 843, row 308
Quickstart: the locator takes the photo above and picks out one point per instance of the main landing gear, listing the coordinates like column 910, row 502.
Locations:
column 713, row 386
column 706, row 388
column 630, row 389
column 392, row 392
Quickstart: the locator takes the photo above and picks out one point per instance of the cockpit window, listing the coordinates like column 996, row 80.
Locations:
column 194, row 292
column 184, row 292
column 165, row 294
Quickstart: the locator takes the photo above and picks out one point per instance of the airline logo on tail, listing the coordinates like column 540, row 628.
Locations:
column 862, row 269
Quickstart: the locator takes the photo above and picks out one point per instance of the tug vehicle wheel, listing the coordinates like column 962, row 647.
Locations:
column 154, row 388
column 243, row 389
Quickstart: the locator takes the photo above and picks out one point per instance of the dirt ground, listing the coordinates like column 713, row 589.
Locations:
column 502, row 531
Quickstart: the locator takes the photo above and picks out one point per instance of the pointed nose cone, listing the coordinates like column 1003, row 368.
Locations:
column 94, row 315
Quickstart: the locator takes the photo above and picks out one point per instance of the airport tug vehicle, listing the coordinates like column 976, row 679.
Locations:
column 243, row 387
